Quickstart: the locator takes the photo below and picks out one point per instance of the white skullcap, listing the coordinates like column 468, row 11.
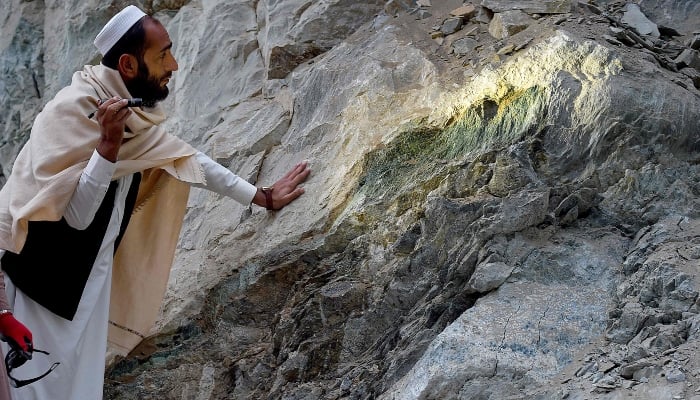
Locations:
column 117, row 27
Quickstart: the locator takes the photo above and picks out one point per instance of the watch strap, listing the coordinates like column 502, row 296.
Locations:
column 267, row 191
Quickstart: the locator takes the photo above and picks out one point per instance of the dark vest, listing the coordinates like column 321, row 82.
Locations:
column 55, row 262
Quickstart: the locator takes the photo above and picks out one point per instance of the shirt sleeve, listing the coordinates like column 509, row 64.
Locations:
column 221, row 180
column 90, row 191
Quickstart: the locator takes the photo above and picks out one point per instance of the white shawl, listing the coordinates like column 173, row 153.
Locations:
column 47, row 171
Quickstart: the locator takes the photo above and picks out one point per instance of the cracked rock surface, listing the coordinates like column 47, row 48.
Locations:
column 497, row 210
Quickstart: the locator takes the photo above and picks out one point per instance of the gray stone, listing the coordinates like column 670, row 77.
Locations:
column 635, row 18
column 507, row 49
column 508, row 23
column 464, row 46
column 675, row 376
column 423, row 14
column 293, row 32
column 688, row 58
column 612, row 40
column 483, row 15
column 451, row 25
column 489, row 276
column 529, row 6
column 694, row 42
column 393, row 7
column 628, row 371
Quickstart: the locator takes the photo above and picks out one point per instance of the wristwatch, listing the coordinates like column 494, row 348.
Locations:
column 267, row 191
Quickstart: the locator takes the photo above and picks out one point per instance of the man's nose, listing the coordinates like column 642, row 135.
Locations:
column 172, row 64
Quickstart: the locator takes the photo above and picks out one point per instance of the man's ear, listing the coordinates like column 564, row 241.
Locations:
column 128, row 66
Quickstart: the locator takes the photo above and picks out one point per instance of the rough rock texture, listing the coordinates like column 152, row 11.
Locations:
column 509, row 217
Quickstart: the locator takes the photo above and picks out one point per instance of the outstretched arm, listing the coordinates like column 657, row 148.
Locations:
column 221, row 180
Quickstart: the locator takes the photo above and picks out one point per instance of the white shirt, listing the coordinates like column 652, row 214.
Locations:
column 96, row 177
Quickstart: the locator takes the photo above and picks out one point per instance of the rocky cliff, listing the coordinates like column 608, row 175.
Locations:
column 503, row 205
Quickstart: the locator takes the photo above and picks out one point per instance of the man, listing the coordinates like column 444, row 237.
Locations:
column 76, row 186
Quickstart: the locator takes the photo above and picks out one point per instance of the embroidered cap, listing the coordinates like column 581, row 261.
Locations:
column 117, row 27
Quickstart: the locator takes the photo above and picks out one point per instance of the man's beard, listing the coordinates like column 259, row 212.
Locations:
column 147, row 87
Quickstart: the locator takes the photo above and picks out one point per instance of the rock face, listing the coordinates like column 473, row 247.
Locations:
column 490, row 216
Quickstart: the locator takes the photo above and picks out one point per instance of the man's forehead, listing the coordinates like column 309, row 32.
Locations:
column 157, row 38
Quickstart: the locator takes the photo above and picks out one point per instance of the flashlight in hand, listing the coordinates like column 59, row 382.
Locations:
column 135, row 102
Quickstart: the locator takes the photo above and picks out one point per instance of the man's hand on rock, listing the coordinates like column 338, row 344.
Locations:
column 285, row 190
